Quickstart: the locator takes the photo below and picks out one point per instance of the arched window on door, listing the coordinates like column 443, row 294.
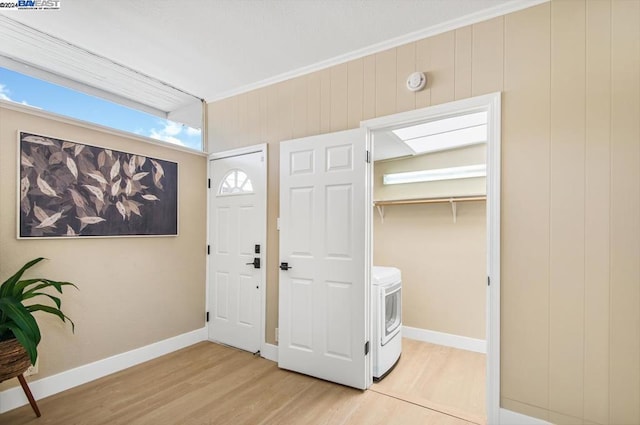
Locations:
column 234, row 183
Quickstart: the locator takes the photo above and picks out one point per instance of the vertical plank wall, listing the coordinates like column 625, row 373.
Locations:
column 624, row 289
column 566, row 222
column 525, row 213
column 597, row 211
column 569, row 72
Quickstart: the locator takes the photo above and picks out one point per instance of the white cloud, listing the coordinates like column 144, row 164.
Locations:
column 168, row 133
column 159, row 135
column 4, row 93
column 172, row 128
column 193, row 131
column 171, row 131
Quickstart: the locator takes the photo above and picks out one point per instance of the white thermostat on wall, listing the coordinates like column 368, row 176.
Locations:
column 416, row 81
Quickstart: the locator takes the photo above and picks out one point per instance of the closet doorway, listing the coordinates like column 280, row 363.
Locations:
column 435, row 191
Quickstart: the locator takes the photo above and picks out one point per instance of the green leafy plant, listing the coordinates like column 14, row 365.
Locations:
column 16, row 318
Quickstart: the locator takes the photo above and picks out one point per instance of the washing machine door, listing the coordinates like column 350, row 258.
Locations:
column 391, row 303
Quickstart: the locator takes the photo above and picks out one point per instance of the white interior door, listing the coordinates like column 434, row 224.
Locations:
column 323, row 326
column 237, row 226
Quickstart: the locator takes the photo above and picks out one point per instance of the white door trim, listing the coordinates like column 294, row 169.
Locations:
column 262, row 148
column 491, row 103
column 239, row 151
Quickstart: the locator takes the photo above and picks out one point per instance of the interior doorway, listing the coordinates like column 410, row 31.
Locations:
column 445, row 158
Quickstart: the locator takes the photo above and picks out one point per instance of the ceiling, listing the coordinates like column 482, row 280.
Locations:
column 216, row 48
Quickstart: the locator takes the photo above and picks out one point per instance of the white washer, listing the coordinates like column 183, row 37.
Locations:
column 387, row 313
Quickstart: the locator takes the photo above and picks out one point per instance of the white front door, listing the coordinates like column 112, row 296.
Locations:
column 323, row 297
column 236, row 263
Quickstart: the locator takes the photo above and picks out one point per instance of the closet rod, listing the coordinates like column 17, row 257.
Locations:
column 430, row 200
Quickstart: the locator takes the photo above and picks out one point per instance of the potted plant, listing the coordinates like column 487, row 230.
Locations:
column 19, row 331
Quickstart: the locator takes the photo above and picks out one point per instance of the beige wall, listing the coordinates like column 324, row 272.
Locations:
column 569, row 73
column 133, row 291
column 472, row 155
column 443, row 264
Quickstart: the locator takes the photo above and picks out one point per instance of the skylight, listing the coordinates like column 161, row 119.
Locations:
column 447, row 133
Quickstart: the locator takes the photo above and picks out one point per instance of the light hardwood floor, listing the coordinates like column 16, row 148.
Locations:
column 441, row 378
column 208, row 384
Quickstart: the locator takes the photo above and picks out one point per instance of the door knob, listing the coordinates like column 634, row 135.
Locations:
column 285, row 266
column 255, row 263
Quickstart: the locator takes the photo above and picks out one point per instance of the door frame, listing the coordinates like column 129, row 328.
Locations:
column 492, row 104
column 260, row 148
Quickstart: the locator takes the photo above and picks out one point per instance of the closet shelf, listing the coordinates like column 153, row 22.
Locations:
column 451, row 199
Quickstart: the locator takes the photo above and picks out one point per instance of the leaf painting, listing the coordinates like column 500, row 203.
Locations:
column 95, row 191
column 39, row 140
column 115, row 170
column 49, row 221
column 139, row 176
column 45, row 188
column 24, row 187
column 70, row 189
column 71, row 165
column 98, row 177
column 91, row 220
column 39, row 213
column 26, row 161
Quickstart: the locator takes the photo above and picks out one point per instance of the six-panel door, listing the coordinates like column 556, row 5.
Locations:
column 322, row 239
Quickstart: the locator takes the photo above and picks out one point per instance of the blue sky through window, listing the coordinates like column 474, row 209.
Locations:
column 41, row 94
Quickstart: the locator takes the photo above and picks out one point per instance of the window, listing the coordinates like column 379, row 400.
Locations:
column 236, row 182
column 30, row 91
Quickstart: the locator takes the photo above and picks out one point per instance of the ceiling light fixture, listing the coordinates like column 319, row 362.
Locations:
column 453, row 173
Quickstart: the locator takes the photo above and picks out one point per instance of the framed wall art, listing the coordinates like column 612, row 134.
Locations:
column 69, row 189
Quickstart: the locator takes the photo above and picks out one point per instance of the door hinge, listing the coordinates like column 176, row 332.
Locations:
column 368, row 157
column 209, row 183
column 488, row 281
column 366, row 348
column 207, row 317
column 208, row 249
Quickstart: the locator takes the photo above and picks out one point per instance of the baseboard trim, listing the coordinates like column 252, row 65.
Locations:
column 449, row 340
column 45, row 387
column 270, row 352
column 509, row 417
